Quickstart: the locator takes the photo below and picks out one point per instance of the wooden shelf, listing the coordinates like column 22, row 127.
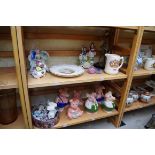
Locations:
column 86, row 117
column 18, row 124
column 142, row 72
column 149, row 28
column 127, row 27
column 51, row 80
column 139, row 105
column 8, row 78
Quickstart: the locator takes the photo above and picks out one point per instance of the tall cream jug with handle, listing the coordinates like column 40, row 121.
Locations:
column 113, row 63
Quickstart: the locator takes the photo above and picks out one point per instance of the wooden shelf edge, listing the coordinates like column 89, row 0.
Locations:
column 51, row 80
column 142, row 72
column 127, row 27
column 139, row 105
column 149, row 28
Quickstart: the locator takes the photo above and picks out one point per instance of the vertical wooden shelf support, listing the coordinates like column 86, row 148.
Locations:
column 18, row 73
column 127, row 84
column 24, row 72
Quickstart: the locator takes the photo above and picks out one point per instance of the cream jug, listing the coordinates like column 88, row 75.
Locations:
column 113, row 63
column 150, row 64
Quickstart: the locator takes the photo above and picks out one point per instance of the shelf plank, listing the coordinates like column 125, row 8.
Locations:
column 149, row 28
column 127, row 27
column 8, row 78
column 52, row 80
column 139, row 105
column 142, row 72
column 86, row 117
column 18, row 124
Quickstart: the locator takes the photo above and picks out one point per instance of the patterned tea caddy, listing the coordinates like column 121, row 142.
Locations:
column 113, row 63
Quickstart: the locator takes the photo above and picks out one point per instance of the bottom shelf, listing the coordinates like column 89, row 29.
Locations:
column 86, row 117
column 139, row 105
column 18, row 124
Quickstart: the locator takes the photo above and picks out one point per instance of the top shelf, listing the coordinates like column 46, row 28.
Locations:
column 51, row 80
column 8, row 78
column 149, row 28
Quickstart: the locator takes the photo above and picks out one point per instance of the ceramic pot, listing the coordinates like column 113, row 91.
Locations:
column 113, row 63
column 150, row 64
column 134, row 95
column 129, row 100
column 145, row 97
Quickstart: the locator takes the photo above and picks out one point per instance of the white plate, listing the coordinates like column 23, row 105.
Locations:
column 67, row 70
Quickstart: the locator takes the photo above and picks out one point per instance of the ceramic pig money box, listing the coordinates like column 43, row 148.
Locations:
column 109, row 103
column 91, row 103
column 74, row 111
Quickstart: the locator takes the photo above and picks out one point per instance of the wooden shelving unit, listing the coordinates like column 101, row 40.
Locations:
column 10, row 77
column 80, row 34
column 51, row 80
column 140, row 73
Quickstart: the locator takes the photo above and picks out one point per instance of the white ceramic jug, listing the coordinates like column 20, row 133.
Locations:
column 150, row 64
column 113, row 63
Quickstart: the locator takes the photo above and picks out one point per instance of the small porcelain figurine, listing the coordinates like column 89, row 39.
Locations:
column 108, row 104
column 62, row 99
column 84, row 58
column 91, row 54
column 99, row 94
column 37, row 60
column 91, row 103
column 74, row 111
column 52, row 108
column 113, row 63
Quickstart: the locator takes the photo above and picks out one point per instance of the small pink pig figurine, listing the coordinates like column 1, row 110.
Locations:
column 62, row 99
column 77, row 95
column 99, row 94
column 74, row 111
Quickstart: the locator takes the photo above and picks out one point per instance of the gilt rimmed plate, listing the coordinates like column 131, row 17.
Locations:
column 67, row 70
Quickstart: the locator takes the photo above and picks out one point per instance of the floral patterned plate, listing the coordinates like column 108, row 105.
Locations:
column 67, row 70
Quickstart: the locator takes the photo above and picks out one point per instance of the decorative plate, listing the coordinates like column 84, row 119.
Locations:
column 67, row 70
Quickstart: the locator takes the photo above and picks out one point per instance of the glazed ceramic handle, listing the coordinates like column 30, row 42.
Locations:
column 122, row 58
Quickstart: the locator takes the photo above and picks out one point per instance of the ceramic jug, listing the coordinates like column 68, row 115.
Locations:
column 113, row 63
column 150, row 64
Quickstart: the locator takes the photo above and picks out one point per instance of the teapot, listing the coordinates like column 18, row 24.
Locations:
column 113, row 63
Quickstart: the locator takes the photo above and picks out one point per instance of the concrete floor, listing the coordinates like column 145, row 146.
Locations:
column 134, row 120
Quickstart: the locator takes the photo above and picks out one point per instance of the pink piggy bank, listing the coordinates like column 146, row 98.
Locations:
column 74, row 111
